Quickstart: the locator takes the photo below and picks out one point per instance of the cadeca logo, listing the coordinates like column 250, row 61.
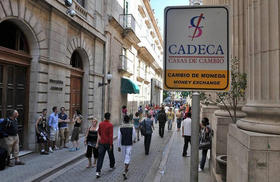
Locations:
column 195, row 25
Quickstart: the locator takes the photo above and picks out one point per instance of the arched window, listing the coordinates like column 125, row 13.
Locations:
column 81, row 2
column 12, row 37
column 76, row 60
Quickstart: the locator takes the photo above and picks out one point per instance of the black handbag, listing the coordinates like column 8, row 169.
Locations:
column 143, row 128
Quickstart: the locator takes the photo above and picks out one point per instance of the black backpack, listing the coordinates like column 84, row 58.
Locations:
column 161, row 117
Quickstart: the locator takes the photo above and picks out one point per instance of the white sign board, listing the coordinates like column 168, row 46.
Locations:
column 196, row 48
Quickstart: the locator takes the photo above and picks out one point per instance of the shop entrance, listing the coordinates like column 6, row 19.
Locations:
column 76, row 83
column 14, row 74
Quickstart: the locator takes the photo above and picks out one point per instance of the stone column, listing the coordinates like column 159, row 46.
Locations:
column 263, row 101
column 254, row 142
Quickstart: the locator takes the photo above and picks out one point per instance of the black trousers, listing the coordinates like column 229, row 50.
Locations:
column 187, row 140
column 92, row 150
column 203, row 159
column 161, row 129
column 102, row 148
column 147, row 142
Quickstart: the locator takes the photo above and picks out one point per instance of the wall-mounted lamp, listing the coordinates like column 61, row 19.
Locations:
column 108, row 77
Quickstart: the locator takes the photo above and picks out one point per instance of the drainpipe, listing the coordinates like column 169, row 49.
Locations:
column 103, row 81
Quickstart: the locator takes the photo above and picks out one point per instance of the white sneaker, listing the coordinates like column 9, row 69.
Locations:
column 50, row 150
column 199, row 169
column 97, row 174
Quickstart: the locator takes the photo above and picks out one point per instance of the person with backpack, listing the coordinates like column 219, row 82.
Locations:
column 126, row 137
column 11, row 142
column 148, row 126
column 205, row 141
column 42, row 131
column 161, row 117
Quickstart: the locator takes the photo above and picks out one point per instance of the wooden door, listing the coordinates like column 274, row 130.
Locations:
column 75, row 94
column 13, row 81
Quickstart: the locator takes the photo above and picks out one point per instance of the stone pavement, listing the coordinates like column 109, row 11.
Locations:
column 177, row 168
column 37, row 165
column 142, row 167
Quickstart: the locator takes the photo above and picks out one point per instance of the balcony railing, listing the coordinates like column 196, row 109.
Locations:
column 125, row 65
column 127, row 21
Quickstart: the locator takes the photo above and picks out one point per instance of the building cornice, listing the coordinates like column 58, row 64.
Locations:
column 151, row 15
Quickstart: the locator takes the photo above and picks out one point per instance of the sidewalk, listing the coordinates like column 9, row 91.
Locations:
column 176, row 167
column 37, row 165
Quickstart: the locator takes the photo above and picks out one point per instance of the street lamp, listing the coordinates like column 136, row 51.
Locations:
column 109, row 78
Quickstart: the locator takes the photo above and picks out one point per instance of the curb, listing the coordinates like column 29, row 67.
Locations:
column 58, row 167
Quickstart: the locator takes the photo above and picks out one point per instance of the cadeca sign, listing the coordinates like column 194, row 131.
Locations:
column 196, row 48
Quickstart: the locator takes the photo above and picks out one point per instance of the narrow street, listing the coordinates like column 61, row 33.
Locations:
column 142, row 168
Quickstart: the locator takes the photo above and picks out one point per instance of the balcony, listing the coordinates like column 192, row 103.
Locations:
column 141, row 75
column 127, row 21
column 126, row 66
column 148, row 78
column 80, row 10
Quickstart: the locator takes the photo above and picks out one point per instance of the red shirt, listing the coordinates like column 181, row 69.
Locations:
column 105, row 132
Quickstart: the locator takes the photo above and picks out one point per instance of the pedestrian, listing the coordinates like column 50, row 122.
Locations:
column 161, row 121
column 140, row 111
column 105, row 143
column 77, row 119
column 91, row 141
column 11, row 141
column 42, row 132
column 147, row 123
column 179, row 117
column 205, row 135
column 63, row 128
column 53, row 124
column 126, row 137
column 124, row 112
column 186, row 133
column 170, row 118
column 136, row 122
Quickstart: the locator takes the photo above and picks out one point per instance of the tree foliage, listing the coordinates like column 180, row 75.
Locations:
column 236, row 93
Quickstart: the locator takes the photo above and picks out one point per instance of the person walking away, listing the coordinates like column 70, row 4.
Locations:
column 206, row 134
column 126, row 137
column 149, row 127
column 161, row 121
column 11, row 141
column 170, row 118
column 124, row 112
column 186, row 133
column 77, row 119
column 179, row 117
column 63, row 128
column 53, row 124
column 105, row 143
column 136, row 122
column 42, row 133
column 91, row 141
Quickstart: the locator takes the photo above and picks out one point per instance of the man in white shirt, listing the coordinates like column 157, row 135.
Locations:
column 186, row 133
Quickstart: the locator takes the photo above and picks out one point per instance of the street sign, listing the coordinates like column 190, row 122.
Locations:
column 196, row 48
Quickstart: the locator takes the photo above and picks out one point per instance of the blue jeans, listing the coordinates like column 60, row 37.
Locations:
column 203, row 159
column 169, row 124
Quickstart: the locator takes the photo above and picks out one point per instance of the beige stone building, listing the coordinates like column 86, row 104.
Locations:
column 50, row 58
column 253, row 148
column 135, row 56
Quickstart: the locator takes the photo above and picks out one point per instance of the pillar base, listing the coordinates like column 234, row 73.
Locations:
column 252, row 157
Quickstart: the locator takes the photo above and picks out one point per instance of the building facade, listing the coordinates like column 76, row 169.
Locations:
column 253, row 142
column 49, row 58
column 135, row 56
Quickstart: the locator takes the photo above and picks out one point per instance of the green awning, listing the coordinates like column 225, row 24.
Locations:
column 128, row 87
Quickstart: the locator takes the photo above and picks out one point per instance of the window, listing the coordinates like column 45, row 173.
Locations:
column 12, row 37
column 81, row 2
column 76, row 60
